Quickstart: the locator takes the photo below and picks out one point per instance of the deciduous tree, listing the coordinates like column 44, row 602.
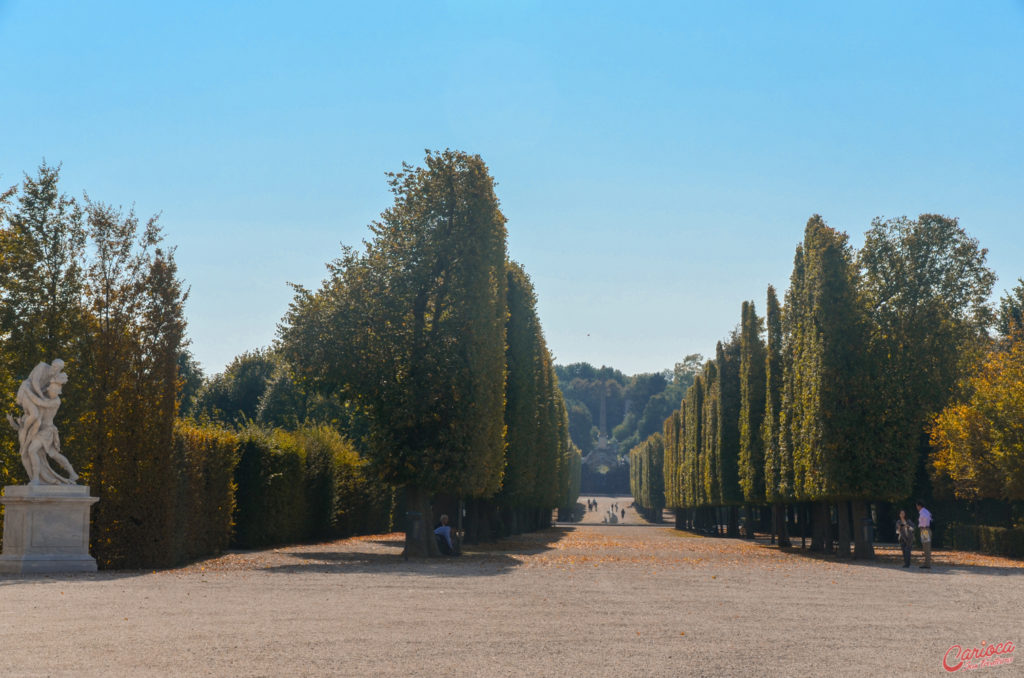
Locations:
column 412, row 329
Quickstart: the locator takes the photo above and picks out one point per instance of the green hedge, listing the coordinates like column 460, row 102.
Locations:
column 167, row 505
column 270, row 502
column 362, row 504
column 305, row 485
column 206, row 493
column 250, row 489
column 997, row 541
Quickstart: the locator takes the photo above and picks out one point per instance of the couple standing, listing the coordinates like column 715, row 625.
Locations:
column 905, row 530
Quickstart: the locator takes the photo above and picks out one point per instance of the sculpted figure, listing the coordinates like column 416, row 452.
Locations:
column 39, row 396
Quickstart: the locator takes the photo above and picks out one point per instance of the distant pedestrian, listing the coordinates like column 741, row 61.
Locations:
column 924, row 524
column 623, row 514
column 905, row 531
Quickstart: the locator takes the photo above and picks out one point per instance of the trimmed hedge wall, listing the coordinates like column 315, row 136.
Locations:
column 206, row 490
column 305, row 485
column 250, row 489
column 270, row 501
column 997, row 541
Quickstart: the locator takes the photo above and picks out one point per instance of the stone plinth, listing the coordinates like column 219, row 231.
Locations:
column 46, row 529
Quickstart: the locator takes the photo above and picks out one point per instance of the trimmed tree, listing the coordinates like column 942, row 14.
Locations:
column 412, row 331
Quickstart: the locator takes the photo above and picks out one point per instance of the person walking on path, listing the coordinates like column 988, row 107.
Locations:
column 905, row 531
column 924, row 524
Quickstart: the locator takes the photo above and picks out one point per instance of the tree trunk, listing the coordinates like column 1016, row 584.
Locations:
column 886, row 527
column 419, row 527
column 510, row 519
column 821, row 524
column 780, row 529
column 765, row 520
column 863, row 548
column 804, row 519
column 843, row 525
column 733, row 526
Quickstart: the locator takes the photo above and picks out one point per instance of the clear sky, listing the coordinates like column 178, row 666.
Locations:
column 656, row 161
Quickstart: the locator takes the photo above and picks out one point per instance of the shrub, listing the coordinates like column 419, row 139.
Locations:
column 999, row 541
column 270, row 501
column 362, row 503
column 206, row 457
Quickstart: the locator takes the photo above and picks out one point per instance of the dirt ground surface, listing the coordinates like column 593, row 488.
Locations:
column 586, row 600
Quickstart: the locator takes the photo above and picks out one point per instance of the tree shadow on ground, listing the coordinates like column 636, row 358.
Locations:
column 384, row 556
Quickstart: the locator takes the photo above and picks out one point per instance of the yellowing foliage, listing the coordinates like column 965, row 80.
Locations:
column 980, row 441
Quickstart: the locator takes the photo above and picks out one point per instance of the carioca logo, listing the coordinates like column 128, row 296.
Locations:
column 957, row 657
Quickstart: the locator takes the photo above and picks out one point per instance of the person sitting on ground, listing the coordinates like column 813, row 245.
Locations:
column 443, row 535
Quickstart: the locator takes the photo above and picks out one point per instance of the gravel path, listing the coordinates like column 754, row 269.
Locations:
column 587, row 600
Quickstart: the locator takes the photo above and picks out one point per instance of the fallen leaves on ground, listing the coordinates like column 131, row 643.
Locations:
column 569, row 548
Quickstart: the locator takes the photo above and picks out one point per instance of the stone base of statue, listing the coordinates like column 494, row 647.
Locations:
column 46, row 529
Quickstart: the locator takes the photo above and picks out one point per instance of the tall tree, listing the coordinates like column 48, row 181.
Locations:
column 42, row 260
column 752, row 405
column 89, row 284
column 42, row 315
column 979, row 440
column 778, row 479
column 926, row 288
column 791, row 408
column 413, row 330
column 727, row 356
column 647, row 482
column 693, row 446
column 672, row 466
column 830, row 378
column 830, row 372
column 1010, row 314
column 711, row 476
column 525, row 390
column 776, row 485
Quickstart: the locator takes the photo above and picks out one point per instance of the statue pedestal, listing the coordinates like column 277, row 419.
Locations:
column 46, row 529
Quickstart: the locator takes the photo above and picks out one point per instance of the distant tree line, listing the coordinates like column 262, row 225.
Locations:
column 634, row 408
column 878, row 380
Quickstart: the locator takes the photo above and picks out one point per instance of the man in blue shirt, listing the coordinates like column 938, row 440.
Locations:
column 443, row 534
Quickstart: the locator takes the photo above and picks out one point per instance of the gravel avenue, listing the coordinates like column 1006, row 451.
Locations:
column 585, row 600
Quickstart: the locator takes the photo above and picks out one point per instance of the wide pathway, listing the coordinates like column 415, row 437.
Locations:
column 588, row 600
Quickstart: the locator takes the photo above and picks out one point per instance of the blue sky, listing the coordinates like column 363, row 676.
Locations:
column 656, row 162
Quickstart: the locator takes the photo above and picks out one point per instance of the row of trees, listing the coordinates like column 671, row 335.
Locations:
column 647, row 478
column 431, row 335
column 829, row 399
column 425, row 352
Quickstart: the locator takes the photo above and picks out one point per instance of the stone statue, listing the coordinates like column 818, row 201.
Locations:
column 39, row 396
